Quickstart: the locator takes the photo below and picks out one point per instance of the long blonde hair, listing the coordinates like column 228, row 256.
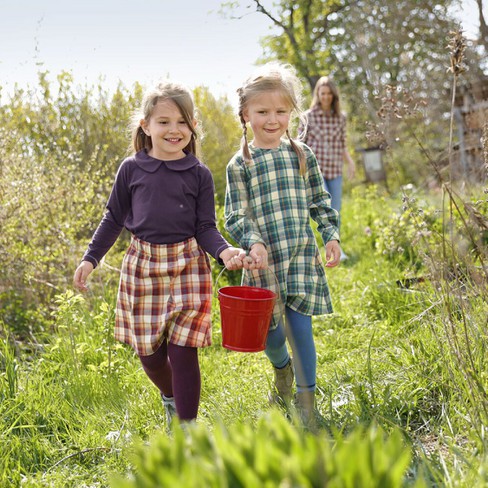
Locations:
column 272, row 77
column 164, row 90
column 327, row 81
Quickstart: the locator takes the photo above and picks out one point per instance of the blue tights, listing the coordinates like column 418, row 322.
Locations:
column 298, row 331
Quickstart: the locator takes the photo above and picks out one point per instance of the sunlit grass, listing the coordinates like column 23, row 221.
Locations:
column 75, row 405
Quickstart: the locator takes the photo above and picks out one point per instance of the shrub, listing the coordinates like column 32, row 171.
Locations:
column 274, row 453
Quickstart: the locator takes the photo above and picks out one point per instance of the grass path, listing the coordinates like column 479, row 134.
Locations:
column 74, row 405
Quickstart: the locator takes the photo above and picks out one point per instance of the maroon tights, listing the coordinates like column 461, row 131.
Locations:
column 176, row 372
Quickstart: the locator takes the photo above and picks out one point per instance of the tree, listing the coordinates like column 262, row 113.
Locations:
column 373, row 50
column 364, row 44
column 304, row 28
column 483, row 37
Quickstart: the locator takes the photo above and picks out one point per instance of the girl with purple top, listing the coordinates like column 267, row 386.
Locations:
column 165, row 197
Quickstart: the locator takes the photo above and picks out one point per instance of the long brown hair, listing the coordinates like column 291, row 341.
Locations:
column 164, row 90
column 327, row 81
column 271, row 77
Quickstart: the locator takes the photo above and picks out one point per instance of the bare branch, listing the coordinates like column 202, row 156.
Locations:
column 261, row 9
column 288, row 29
column 483, row 38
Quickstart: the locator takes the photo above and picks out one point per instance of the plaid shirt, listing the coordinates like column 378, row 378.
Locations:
column 326, row 136
column 269, row 201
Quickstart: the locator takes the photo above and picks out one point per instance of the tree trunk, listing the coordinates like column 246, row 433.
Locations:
column 483, row 38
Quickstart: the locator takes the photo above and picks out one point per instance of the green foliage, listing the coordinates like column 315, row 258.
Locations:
column 58, row 158
column 273, row 453
column 64, row 398
column 396, row 232
column 221, row 135
column 8, row 368
column 73, row 403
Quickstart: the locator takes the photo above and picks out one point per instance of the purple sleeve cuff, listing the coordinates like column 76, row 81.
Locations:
column 90, row 260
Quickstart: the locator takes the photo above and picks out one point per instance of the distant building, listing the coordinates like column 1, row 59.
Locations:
column 471, row 116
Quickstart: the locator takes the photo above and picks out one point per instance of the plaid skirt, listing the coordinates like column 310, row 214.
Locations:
column 165, row 291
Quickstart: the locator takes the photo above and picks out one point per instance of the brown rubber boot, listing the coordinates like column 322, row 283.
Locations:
column 282, row 392
column 305, row 404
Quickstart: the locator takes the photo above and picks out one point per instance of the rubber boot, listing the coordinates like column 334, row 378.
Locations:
column 283, row 384
column 305, row 404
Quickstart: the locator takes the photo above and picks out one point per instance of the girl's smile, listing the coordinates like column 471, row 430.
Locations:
column 168, row 131
column 269, row 115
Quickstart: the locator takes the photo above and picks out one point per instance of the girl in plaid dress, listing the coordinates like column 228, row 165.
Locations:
column 274, row 186
column 164, row 196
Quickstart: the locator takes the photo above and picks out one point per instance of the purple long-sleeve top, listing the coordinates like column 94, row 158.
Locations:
column 161, row 202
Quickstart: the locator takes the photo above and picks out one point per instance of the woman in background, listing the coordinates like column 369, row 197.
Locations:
column 325, row 134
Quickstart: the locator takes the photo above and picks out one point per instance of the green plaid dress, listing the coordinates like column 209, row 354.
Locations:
column 269, row 202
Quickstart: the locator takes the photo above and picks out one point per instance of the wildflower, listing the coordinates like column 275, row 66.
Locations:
column 457, row 46
column 113, row 436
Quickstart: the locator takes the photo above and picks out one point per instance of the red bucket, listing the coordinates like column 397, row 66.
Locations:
column 246, row 313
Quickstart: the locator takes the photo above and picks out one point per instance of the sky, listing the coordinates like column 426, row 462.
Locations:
column 128, row 40
column 136, row 40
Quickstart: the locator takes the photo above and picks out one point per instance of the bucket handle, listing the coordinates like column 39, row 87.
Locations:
column 267, row 269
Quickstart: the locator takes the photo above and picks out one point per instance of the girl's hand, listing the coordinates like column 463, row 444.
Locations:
column 259, row 256
column 332, row 254
column 81, row 275
column 233, row 258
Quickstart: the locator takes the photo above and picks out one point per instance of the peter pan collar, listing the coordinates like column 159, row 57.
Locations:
column 151, row 165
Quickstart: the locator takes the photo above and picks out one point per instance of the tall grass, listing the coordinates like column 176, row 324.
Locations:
column 76, row 405
column 458, row 269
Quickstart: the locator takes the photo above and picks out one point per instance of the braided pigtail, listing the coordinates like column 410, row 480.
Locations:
column 300, row 153
column 246, row 153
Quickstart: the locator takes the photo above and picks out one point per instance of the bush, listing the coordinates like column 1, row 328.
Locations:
column 274, row 453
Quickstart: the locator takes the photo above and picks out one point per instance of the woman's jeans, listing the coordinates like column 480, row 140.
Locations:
column 334, row 187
